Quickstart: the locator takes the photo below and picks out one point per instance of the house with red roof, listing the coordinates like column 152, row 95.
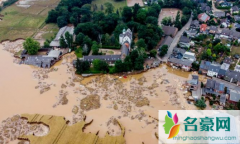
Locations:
column 203, row 17
column 203, row 27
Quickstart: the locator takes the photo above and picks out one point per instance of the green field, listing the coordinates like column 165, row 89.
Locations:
column 116, row 4
column 21, row 22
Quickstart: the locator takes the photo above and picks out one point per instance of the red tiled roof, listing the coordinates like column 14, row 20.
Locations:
column 203, row 27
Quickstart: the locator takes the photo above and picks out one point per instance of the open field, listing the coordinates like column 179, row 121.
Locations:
column 132, row 2
column 116, row 4
column 235, row 50
column 168, row 12
column 20, row 22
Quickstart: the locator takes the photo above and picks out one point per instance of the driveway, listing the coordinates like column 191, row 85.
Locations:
column 214, row 9
column 175, row 41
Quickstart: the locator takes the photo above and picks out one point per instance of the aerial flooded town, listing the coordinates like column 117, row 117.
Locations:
column 98, row 71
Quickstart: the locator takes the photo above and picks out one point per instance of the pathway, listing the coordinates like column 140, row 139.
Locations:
column 175, row 41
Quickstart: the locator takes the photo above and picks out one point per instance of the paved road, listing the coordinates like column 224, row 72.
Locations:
column 175, row 41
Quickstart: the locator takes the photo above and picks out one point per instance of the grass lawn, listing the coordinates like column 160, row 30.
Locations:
column 116, row 4
column 235, row 50
column 78, row 53
column 51, row 31
column 21, row 22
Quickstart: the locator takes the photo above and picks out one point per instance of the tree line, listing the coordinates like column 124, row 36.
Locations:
column 108, row 23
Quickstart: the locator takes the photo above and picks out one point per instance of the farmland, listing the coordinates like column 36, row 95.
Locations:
column 22, row 22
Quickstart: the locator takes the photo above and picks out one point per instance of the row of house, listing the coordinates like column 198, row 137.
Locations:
column 181, row 58
column 223, row 91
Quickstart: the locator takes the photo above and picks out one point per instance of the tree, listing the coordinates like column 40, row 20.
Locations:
column 62, row 21
column 79, row 39
column 152, row 20
column 100, row 65
column 127, row 14
column 153, row 53
column 95, row 48
column 31, row 46
column 209, row 52
column 136, row 7
column 128, row 63
column 195, row 66
column 69, row 39
column 82, row 66
column 109, row 7
column 62, row 42
column 184, row 20
column 201, row 103
column 52, row 16
column 163, row 50
column 139, row 63
column 178, row 24
column 141, row 16
column 119, row 66
column 167, row 21
column 141, row 43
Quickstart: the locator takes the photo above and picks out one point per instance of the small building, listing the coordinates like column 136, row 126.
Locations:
column 225, row 66
column 214, row 88
column 189, row 56
column 213, row 29
column 184, row 42
column 167, row 41
column 237, row 18
column 225, row 23
column 232, row 76
column 204, row 66
column 203, row 28
column 234, row 96
column 203, row 17
column 192, row 33
column 180, row 63
column 170, row 31
column 237, row 68
column 195, row 24
column 205, row 8
column 219, row 14
column 221, row 73
column 110, row 59
column 234, row 10
column 61, row 32
column 228, row 60
column 213, row 70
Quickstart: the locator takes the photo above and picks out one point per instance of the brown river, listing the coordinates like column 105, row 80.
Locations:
column 26, row 89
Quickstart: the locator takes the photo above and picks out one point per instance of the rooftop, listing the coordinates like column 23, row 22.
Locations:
column 169, row 30
column 234, row 95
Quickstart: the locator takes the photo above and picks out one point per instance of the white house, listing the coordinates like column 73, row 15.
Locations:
column 189, row 56
column 213, row 70
column 126, row 36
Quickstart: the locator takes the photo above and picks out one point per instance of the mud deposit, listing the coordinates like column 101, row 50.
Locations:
column 133, row 101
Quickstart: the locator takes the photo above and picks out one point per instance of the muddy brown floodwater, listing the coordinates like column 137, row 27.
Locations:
column 58, row 91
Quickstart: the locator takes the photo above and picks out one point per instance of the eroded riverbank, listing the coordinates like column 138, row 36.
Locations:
column 58, row 91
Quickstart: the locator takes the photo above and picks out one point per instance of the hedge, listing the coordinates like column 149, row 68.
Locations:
column 111, row 47
column 223, row 7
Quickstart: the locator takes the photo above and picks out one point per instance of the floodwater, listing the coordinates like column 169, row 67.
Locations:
column 20, row 93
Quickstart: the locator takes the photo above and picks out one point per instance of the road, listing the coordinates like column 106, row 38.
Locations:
column 214, row 9
column 175, row 41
